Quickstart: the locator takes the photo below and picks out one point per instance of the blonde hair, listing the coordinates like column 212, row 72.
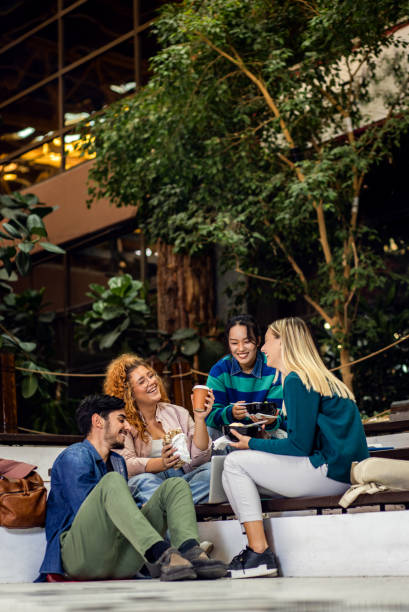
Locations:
column 300, row 355
column 117, row 383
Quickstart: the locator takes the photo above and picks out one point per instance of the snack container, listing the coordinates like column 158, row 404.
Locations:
column 246, row 430
column 177, row 438
column 265, row 409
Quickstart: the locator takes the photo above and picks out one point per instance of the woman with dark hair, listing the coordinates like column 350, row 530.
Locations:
column 325, row 435
column 148, row 458
column 241, row 376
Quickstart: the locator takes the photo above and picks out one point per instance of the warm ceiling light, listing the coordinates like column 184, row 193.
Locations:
column 30, row 155
column 71, row 137
column 25, row 132
column 70, row 118
column 10, row 167
column 9, row 177
column 123, row 88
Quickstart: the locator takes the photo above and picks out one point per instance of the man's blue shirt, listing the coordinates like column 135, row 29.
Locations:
column 76, row 471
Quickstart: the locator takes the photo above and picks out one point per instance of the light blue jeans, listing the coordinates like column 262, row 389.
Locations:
column 143, row 486
column 214, row 433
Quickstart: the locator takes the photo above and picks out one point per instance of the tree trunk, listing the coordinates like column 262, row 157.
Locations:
column 346, row 372
column 8, row 396
column 185, row 290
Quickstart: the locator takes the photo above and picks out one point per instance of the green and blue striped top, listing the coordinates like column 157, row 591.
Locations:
column 230, row 385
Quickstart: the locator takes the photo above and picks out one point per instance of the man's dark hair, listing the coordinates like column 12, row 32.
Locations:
column 253, row 332
column 95, row 404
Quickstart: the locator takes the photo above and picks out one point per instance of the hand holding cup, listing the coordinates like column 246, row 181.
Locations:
column 202, row 401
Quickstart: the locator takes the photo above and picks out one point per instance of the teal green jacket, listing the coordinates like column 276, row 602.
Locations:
column 324, row 429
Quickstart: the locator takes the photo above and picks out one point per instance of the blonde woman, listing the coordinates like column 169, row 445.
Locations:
column 150, row 415
column 325, row 435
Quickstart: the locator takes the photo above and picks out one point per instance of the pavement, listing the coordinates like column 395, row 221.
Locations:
column 375, row 594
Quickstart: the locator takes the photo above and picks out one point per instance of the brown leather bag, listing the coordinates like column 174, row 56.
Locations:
column 22, row 500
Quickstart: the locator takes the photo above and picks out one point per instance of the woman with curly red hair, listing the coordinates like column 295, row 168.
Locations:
column 151, row 416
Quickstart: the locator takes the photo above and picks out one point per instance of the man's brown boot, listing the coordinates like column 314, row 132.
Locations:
column 171, row 565
column 205, row 567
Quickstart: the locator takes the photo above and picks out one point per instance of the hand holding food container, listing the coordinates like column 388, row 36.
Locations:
column 175, row 452
column 239, row 433
column 202, row 400
column 266, row 411
column 239, row 410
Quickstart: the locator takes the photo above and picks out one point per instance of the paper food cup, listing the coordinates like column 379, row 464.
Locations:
column 199, row 397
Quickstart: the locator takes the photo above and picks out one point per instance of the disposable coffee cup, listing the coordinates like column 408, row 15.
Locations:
column 199, row 397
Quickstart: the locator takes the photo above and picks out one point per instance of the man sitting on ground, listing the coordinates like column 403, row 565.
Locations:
column 94, row 528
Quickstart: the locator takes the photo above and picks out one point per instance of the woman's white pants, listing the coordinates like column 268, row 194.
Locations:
column 246, row 471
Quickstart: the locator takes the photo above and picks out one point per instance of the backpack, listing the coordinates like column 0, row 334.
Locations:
column 23, row 496
column 374, row 475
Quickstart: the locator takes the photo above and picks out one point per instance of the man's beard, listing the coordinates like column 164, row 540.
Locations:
column 117, row 445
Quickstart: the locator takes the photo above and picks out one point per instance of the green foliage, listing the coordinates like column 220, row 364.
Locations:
column 30, row 336
column 22, row 314
column 249, row 136
column 22, row 228
column 186, row 342
column 26, row 329
column 118, row 316
column 119, row 320
column 382, row 319
column 44, row 413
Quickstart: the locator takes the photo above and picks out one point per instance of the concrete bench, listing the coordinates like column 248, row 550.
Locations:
column 307, row 540
column 316, row 537
column 362, row 544
column 353, row 544
column 22, row 550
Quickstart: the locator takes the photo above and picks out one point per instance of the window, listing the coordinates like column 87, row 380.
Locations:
column 93, row 25
column 99, row 82
column 18, row 18
column 34, row 143
column 29, row 62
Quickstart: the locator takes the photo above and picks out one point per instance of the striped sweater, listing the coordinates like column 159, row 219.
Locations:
column 230, row 384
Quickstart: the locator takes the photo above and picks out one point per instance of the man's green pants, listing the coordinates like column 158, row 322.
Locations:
column 110, row 534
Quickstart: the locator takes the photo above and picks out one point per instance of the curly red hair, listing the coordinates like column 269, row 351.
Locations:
column 116, row 383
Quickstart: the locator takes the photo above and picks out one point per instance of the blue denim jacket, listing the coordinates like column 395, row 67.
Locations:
column 76, row 471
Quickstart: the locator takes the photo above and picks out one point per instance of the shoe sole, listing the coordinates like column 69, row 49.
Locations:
column 254, row 572
column 212, row 572
column 184, row 573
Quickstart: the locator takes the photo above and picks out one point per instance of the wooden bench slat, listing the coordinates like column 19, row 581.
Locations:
column 307, row 503
column 39, row 439
column 395, row 453
column 386, row 427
